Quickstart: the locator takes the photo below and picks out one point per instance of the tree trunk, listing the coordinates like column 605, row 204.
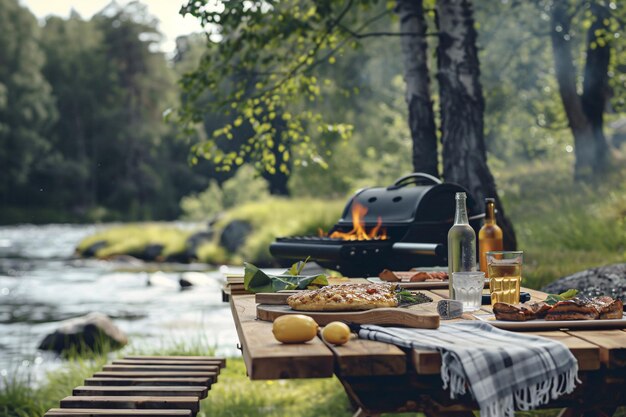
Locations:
column 462, row 108
column 584, row 146
column 596, row 83
column 421, row 117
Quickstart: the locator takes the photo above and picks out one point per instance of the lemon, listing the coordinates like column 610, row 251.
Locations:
column 336, row 333
column 294, row 328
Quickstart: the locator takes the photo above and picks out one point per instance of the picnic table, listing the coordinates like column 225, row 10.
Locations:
column 380, row 377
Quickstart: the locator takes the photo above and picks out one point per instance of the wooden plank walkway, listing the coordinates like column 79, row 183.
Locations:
column 160, row 386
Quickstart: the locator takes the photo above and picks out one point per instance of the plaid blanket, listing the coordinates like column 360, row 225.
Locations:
column 502, row 370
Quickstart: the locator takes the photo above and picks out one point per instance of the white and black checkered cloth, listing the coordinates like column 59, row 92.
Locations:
column 502, row 370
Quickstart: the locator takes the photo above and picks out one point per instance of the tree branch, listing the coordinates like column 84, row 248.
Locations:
column 376, row 34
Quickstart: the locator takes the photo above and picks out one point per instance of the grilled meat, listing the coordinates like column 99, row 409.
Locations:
column 608, row 307
column 578, row 308
column 520, row 312
column 413, row 276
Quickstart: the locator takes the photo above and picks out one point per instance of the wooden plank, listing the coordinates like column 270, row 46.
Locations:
column 272, row 298
column 149, row 382
column 587, row 354
column 92, row 412
column 266, row 358
column 222, row 361
column 443, row 293
column 185, row 374
column 165, row 362
column 612, row 344
column 166, row 391
column 160, row 368
column 436, row 296
column 138, row 402
column 360, row 357
column 426, row 362
column 407, row 317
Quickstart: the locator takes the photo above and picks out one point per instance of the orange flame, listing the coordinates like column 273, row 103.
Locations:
column 358, row 231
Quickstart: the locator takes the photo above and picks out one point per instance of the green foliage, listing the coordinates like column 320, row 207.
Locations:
column 244, row 187
column 256, row 280
column 108, row 155
column 271, row 218
column 26, row 103
column 258, row 70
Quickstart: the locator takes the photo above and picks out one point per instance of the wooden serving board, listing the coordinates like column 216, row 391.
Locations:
column 541, row 324
column 384, row 316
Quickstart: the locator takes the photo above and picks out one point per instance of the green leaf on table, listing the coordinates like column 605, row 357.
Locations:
column 552, row 299
column 569, row 294
column 256, row 280
column 296, row 269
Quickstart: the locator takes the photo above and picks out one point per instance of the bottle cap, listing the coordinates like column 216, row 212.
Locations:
column 490, row 200
column 460, row 196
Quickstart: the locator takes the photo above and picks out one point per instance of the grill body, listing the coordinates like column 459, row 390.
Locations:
column 417, row 211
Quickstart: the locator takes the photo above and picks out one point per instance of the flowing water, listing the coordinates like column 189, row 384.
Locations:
column 42, row 283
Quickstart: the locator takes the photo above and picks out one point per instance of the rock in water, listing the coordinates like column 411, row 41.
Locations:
column 605, row 280
column 190, row 279
column 94, row 332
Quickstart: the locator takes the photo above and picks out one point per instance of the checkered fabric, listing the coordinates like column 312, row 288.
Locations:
column 502, row 370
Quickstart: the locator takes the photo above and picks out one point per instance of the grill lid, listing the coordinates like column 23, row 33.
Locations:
column 399, row 204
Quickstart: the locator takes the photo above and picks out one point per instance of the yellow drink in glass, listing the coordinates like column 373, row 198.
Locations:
column 505, row 276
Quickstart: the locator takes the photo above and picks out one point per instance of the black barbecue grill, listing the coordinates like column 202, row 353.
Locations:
column 416, row 211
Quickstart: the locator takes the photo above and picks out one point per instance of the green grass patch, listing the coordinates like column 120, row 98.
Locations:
column 271, row 218
column 563, row 226
column 132, row 239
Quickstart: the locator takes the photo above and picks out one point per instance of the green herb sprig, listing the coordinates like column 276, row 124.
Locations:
column 552, row 299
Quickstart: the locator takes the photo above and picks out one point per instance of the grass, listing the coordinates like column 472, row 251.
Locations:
column 132, row 239
column 270, row 218
column 562, row 226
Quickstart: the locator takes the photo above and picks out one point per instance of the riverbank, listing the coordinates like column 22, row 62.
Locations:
column 561, row 225
column 233, row 395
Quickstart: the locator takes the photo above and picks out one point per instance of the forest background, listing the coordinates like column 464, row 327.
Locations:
column 88, row 111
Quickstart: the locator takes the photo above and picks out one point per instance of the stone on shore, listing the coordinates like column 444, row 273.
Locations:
column 234, row 235
column 94, row 332
column 605, row 280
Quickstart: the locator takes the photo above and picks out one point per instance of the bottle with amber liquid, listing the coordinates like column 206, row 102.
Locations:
column 489, row 236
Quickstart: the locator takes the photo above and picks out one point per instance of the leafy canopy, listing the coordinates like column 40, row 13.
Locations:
column 261, row 69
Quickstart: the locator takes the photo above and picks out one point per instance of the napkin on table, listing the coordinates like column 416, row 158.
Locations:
column 502, row 370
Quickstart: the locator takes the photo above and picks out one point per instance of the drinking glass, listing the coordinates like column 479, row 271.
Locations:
column 468, row 288
column 505, row 275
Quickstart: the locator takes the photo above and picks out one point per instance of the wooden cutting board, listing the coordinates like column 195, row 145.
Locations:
column 384, row 316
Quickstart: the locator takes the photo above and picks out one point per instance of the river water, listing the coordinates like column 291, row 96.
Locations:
column 42, row 283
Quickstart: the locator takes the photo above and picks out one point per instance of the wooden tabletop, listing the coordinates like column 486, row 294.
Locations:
column 266, row 358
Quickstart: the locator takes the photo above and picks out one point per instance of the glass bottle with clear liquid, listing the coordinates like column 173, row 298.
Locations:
column 461, row 242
